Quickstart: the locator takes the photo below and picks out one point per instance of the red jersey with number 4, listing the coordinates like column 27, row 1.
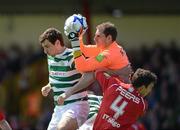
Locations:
column 1, row 116
column 121, row 105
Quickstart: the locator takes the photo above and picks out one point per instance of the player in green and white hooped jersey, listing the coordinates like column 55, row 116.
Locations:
column 94, row 104
column 62, row 76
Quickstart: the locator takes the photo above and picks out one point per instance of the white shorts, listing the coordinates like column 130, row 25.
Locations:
column 78, row 110
column 88, row 124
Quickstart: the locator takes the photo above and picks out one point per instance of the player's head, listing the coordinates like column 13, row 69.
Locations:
column 144, row 81
column 106, row 33
column 52, row 41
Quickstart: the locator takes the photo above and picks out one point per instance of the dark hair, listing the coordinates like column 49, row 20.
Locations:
column 51, row 34
column 108, row 28
column 143, row 77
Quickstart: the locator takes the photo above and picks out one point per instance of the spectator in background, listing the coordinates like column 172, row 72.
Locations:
column 4, row 125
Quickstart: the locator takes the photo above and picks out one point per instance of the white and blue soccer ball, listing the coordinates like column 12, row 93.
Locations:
column 75, row 23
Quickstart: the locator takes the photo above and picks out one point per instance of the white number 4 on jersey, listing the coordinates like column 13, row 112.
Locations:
column 119, row 110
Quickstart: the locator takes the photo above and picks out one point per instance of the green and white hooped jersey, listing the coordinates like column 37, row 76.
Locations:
column 63, row 75
column 94, row 104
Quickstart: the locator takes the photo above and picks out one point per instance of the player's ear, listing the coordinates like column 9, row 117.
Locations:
column 57, row 43
column 109, row 37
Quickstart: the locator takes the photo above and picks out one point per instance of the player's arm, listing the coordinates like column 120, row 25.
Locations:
column 84, row 82
column 88, row 50
column 124, row 73
column 91, row 64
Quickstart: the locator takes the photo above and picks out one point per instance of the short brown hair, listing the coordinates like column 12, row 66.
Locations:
column 108, row 28
column 51, row 34
column 143, row 77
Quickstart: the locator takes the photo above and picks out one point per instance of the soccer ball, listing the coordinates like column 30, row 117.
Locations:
column 75, row 23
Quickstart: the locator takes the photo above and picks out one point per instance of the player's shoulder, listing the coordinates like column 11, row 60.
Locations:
column 68, row 54
column 68, row 51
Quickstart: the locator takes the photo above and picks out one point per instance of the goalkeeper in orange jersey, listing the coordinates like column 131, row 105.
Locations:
column 106, row 54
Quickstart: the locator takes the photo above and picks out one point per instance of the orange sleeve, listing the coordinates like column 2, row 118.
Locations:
column 88, row 50
column 111, row 59
column 93, row 63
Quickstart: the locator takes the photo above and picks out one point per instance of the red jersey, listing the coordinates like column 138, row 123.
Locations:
column 121, row 104
column 1, row 116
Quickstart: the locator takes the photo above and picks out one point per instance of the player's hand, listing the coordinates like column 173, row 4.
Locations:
column 45, row 90
column 61, row 99
column 75, row 26
column 70, row 28
column 72, row 35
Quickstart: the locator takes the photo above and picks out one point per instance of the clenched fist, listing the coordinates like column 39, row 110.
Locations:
column 61, row 99
column 45, row 90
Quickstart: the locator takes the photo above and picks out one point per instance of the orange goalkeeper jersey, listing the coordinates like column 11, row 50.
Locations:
column 113, row 57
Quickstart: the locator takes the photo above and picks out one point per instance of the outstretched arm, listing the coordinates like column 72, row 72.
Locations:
column 85, row 81
column 91, row 64
column 88, row 50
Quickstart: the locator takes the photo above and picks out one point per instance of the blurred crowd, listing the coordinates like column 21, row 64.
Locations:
column 24, row 72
